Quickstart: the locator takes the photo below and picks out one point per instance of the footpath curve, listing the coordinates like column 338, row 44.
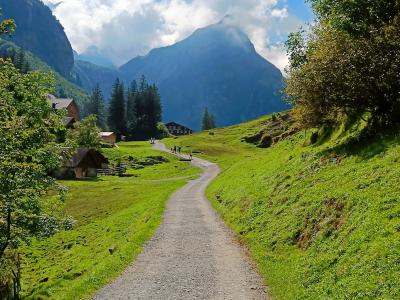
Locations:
column 193, row 255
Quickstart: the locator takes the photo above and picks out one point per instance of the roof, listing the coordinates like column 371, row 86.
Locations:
column 88, row 155
column 59, row 103
column 69, row 121
column 176, row 124
column 106, row 133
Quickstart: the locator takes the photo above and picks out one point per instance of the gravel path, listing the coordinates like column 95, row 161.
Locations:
column 193, row 255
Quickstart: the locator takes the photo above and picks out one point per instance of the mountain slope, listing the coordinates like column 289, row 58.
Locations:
column 39, row 32
column 88, row 75
column 216, row 67
column 64, row 88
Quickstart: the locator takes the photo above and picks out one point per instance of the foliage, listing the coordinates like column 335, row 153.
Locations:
column 111, row 212
column 28, row 152
column 96, row 107
column 116, row 110
column 86, row 134
column 163, row 131
column 356, row 17
column 144, row 104
column 7, row 26
column 208, row 121
column 322, row 221
column 335, row 75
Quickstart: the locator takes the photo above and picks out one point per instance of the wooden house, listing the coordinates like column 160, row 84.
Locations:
column 108, row 137
column 178, row 129
column 84, row 164
column 70, row 106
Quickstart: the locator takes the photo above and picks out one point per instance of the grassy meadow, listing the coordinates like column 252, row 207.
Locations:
column 114, row 217
column 321, row 221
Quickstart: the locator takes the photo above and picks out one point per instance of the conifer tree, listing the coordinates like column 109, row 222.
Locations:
column 116, row 115
column 131, row 116
column 208, row 121
column 96, row 107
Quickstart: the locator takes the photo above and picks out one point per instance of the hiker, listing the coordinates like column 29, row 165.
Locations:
column 179, row 149
column 190, row 156
column 174, row 149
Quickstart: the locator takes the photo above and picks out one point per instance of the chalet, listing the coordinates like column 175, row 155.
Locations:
column 178, row 129
column 108, row 137
column 84, row 164
column 68, row 104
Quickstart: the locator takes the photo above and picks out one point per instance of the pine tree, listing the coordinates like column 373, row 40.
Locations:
column 206, row 122
column 131, row 116
column 96, row 107
column 116, row 116
column 212, row 122
column 147, row 111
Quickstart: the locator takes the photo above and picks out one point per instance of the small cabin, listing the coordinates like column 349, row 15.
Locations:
column 70, row 105
column 178, row 129
column 108, row 137
column 83, row 164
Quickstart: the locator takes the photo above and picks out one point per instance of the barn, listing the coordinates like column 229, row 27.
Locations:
column 178, row 129
column 84, row 164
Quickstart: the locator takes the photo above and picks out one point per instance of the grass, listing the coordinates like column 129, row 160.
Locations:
column 115, row 217
column 321, row 221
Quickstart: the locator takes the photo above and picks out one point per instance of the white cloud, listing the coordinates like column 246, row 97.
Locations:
column 123, row 29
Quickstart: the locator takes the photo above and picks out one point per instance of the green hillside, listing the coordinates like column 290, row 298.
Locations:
column 64, row 88
column 114, row 217
column 320, row 221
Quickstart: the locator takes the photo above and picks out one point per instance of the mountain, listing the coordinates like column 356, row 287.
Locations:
column 39, row 32
column 216, row 67
column 88, row 75
column 93, row 55
column 63, row 88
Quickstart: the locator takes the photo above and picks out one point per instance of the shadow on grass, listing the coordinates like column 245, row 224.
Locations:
column 365, row 144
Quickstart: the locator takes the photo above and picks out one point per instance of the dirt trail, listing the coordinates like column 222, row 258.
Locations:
column 193, row 255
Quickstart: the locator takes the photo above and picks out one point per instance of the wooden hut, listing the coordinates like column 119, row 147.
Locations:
column 84, row 164
column 108, row 137
column 178, row 129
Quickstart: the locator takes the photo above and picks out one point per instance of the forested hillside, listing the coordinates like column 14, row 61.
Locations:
column 63, row 88
column 39, row 32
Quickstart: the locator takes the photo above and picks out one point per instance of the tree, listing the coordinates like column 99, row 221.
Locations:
column 116, row 115
column 7, row 26
column 356, row 17
column 208, row 121
column 344, row 76
column 146, row 111
column 86, row 134
column 96, row 107
column 131, row 116
column 28, row 153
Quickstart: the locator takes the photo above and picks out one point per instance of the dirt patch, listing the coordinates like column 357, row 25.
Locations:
column 276, row 129
column 327, row 220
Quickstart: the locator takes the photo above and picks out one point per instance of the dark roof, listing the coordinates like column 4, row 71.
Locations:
column 86, row 157
column 176, row 124
column 69, row 121
column 59, row 103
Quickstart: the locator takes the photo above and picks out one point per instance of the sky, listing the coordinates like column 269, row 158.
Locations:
column 124, row 29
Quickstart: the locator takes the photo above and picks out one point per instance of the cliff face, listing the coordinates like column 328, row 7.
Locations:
column 39, row 32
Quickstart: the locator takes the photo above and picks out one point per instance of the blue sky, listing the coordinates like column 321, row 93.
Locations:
column 123, row 29
column 300, row 9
